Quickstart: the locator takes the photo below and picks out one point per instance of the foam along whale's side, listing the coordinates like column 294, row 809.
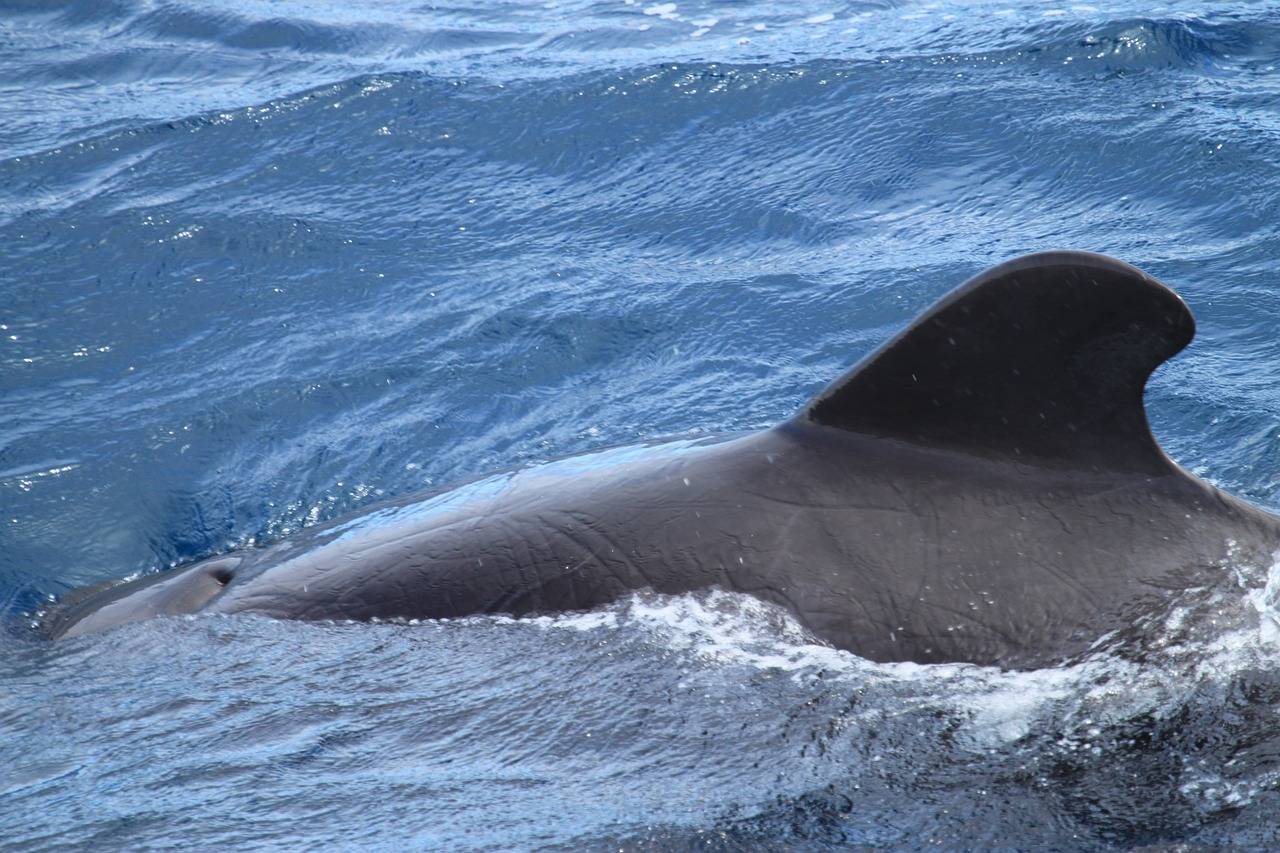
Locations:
column 983, row 488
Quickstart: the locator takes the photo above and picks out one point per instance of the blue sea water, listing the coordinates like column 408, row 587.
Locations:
column 265, row 263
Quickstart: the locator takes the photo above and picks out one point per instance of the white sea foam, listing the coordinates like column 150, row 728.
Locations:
column 666, row 11
column 1266, row 601
column 719, row 628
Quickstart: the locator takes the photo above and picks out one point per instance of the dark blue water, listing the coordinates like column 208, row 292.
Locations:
column 263, row 263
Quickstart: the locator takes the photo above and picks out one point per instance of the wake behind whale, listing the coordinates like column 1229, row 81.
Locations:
column 984, row 488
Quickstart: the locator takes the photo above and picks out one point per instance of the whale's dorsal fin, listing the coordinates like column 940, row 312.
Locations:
column 1043, row 358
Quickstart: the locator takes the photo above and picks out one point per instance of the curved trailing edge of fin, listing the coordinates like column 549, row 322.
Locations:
column 1043, row 358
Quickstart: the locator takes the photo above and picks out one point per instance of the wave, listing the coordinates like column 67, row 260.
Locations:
column 785, row 739
column 196, row 58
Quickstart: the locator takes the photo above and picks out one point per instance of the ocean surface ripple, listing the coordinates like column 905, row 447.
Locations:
column 265, row 263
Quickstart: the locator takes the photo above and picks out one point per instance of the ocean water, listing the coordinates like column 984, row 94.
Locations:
column 265, row 263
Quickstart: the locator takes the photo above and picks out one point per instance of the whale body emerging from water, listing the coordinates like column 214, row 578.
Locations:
column 983, row 488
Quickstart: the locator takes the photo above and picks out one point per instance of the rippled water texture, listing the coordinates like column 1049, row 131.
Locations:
column 262, row 263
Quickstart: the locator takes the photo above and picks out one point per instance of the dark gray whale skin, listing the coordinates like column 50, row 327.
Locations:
column 983, row 488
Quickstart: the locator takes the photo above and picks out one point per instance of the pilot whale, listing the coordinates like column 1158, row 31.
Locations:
column 983, row 488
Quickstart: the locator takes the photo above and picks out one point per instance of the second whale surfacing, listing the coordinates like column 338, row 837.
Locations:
column 983, row 488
